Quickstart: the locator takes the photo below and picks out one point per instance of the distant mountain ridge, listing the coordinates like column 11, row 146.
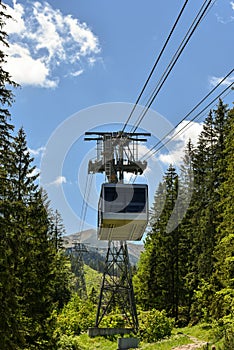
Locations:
column 89, row 238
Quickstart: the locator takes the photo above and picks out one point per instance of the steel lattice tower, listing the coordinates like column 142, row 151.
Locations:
column 117, row 153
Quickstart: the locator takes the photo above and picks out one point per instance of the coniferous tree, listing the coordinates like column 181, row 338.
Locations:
column 223, row 276
column 22, row 173
column 34, row 272
column 171, row 243
column 145, row 279
column 33, row 266
column 62, row 285
column 38, row 276
column 10, row 313
column 209, row 168
column 186, row 234
column 57, row 229
column 157, row 281
column 204, row 170
column 187, row 265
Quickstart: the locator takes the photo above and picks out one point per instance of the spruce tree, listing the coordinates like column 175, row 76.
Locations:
column 22, row 172
column 34, row 274
column 10, row 315
column 157, row 281
column 171, row 243
column 38, row 276
column 209, row 168
column 34, row 258
column 146, row 280
column 193, row 253
column 62, row 285
column 188, row 280
column 204, row 178
column 6, row 100
column 223, row 276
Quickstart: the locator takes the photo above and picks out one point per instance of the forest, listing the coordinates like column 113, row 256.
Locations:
column 185, row 276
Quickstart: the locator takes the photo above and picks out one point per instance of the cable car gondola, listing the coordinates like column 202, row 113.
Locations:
column 122, row 212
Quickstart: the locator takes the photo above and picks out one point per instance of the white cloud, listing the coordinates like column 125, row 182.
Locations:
column 192, row 131
column 16, row 24
column 224, row 15
column 216, row 80
column 59, row 181
column 177, row 145
column 92, row 61
column 27, row 70
column 47, row 34
column 77, row 73
column 37, row 152
column 42, row 39
column 82, row 35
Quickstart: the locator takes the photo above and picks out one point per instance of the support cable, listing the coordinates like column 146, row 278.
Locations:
column 190, row 112
column 83, row 204
column 155, row 64
column 185, row 126
column 150, row 152
column 88, row 185
column 201, row 14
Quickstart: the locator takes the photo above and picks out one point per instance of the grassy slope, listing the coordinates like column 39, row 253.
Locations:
column 179, row 337
column 87, row 343
column 92, row 278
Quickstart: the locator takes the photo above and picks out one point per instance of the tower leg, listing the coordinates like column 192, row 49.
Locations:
column 116, row 288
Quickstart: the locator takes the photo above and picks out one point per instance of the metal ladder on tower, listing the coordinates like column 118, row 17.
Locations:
column 108, row 155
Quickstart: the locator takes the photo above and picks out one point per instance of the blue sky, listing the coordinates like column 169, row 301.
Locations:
column 81, row 65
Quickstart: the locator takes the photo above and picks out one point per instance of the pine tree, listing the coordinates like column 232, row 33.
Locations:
column 223, row 277
column 171, row 243
column 32, row 259
column 146, row 280
column 57, row 229
column 209, row 167
column 34, row 274
column 187, row 239
column 62, row 285
column 6, row 100
column 10, row 314
column 158, row 280
column 22, row 174
column 204, row 178
column 188, row 280
column 37, row 280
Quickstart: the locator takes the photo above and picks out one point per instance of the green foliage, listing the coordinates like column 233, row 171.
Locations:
column 228, row 343
column 154, row 325
column 223, row 333
column 203, row 297
column 223, row 327
column 76, row 317
column 84, row 342
column 67, row 342
column 166, row 344
column 93, row 280
column 113, row 320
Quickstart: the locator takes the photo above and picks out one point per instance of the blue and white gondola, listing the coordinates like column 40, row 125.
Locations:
column 122, row 212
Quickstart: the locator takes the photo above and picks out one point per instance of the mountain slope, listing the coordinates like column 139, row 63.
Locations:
column 97, row 249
